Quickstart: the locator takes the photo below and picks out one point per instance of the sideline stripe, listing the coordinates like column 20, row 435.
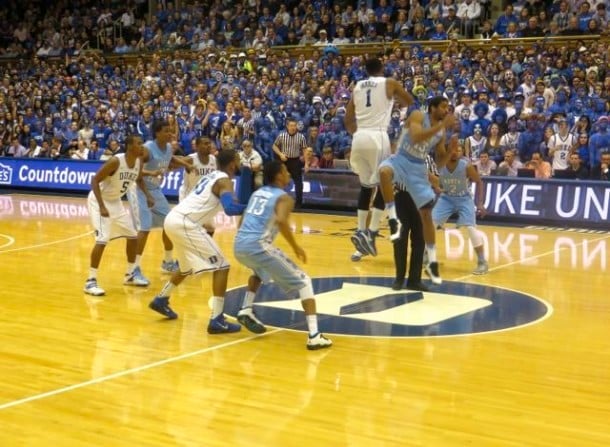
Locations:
column 46, row 244
column 131, row 371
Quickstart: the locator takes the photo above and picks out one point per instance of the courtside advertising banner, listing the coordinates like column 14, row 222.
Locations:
column 520, row 200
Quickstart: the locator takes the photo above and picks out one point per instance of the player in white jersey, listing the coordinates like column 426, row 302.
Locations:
column 195, row 249
column 560, row 146
column 202, row 162
column 108, row 216
column 367, row 117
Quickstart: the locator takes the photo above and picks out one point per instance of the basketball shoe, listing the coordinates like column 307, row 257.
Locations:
column 482, row 268
column 219, row 325
column 169, row 266
column 91, row 288
column 360, row 241
column 136, row 278
column 247, row 318
column 432, row 271
column 357, row 256
column 161, row 304
column 318, row 341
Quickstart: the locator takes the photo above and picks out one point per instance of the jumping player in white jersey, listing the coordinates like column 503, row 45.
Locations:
column 367, row 117
column 267, row 213
column 108, row 216
column 455, row 178
column 407, row 169
column 202, row 162
column 195, row 249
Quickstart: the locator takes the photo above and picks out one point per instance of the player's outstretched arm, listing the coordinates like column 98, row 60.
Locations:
column 223, row 189
column 397, row 91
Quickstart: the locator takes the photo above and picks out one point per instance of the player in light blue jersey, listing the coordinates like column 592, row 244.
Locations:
column 407, row 169
column 158, row 158
column 268, row 213
column 455, row 178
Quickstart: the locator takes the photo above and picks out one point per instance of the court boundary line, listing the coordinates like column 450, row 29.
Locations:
column 10, row 239
column 46, row 244
column 188, row 355
column 129, row 371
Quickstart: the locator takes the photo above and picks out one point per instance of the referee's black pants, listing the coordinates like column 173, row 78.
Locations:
column 295, row 168
column 412, row 228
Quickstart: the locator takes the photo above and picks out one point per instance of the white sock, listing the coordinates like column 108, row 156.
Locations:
column 168, row 256
column 390, row 207
column 92, row 273
column 376, row 216
column 248, row 299
column 362, row 215
column 167, row 289
column 312, row 324
column 218, row 305
column 130, row 267
column 138, row 259
column 431, row 249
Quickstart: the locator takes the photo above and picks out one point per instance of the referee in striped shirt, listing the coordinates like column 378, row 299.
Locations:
column 288, row 147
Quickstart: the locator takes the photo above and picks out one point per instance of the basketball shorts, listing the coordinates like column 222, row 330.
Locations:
column 118, row 224
column 446, row 206
column 273, row 264
column 369, row 149
column 411, row 176
column 194, row 248
column 146, row 218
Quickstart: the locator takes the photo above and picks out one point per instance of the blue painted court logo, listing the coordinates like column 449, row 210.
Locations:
column 368, row 306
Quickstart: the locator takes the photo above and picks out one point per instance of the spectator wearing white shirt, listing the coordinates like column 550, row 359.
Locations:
column 251, row 159
column 510, row 166
column 341, row 39
column 35, row 149
column 82, row 153
column 469, row 12
column 323, row 40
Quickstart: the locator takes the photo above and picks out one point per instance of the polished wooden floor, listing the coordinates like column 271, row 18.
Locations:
column 79, row 371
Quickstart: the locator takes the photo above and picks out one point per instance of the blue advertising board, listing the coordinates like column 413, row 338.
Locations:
column 520, row 200
column 66, row 175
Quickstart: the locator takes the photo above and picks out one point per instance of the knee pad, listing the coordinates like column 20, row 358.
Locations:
column 475, row 237
column 364, row 198
column 306, row 292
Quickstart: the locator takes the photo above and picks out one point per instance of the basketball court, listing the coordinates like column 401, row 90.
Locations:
column 517, row 357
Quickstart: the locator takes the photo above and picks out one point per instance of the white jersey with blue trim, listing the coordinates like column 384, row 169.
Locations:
column 199, row 170
column 422, row 149
column 372, row 105
column 115, row 186
column 202, row 205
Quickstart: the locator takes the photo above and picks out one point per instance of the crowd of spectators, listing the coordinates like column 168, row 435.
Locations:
column 230, row 84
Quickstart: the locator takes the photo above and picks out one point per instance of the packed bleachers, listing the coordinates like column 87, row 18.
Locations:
column 77, row 77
